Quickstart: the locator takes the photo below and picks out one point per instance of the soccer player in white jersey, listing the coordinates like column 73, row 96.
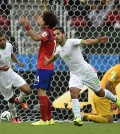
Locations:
column 80, row 71
column 9, row 79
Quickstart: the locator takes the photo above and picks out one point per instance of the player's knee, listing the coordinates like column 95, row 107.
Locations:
column 28, row 91
column 100, row 93
column 74, row 93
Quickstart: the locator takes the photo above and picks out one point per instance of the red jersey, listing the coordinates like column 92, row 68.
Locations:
column 47, row 47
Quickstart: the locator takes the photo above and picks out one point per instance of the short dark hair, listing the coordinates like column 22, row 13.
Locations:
column 1, row 33
column 50, row 19
column 61, row 29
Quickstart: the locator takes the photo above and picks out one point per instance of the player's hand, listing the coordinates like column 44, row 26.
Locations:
column 24, row 21
column 114, row 106
column 5, row 68
column 46, row 61
column 38, row 19
column 103, row 39
column 20, row 64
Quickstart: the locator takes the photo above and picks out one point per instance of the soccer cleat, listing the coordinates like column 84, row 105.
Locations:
column 78, row 121
column 51, row 122
column 118, row 103
column 40, row 123
column 16, row 120
column 23, row 104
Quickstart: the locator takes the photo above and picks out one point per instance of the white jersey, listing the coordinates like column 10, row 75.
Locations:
column 8, row 79
column 80, row 71
column 71, row 53
column 5, row 56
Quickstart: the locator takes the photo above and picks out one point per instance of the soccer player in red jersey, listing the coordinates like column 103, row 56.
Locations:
column 44, row 73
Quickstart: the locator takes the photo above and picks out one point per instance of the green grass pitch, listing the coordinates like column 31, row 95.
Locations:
column 59, row 128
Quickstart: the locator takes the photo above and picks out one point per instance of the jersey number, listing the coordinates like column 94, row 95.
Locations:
column 37, row 79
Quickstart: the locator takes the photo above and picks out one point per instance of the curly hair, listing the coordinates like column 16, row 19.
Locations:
column 50, row 19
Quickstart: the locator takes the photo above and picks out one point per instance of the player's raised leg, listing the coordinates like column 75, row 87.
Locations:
column 107, row 94
column 24, row 87
column 94, row 83
column 20, row 100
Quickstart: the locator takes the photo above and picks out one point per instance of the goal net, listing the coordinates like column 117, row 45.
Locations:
column 79, row 19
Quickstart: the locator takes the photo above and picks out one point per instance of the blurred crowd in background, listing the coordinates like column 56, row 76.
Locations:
column 94, row 12
column 81, row 13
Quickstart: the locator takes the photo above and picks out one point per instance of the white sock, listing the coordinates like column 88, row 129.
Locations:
column 22, row 97
column 12, row 109
column 76, row 107
column 110, row 96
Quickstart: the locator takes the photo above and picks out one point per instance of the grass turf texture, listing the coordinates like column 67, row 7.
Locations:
column 59, row 128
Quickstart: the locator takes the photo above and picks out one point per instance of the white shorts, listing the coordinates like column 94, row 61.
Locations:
column 9, row 80
column 88, row 77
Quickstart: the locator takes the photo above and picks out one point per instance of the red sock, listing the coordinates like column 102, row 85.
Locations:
column 49, row 113
column 43, row 107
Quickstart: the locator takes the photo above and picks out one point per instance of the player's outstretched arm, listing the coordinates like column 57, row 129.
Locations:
column 51, row 59
column 95, row 41
column 25, row 24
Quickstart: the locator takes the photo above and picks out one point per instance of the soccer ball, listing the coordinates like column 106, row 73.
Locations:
column 6, row 116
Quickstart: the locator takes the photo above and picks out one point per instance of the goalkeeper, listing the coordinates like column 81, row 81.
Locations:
column 102, row 105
